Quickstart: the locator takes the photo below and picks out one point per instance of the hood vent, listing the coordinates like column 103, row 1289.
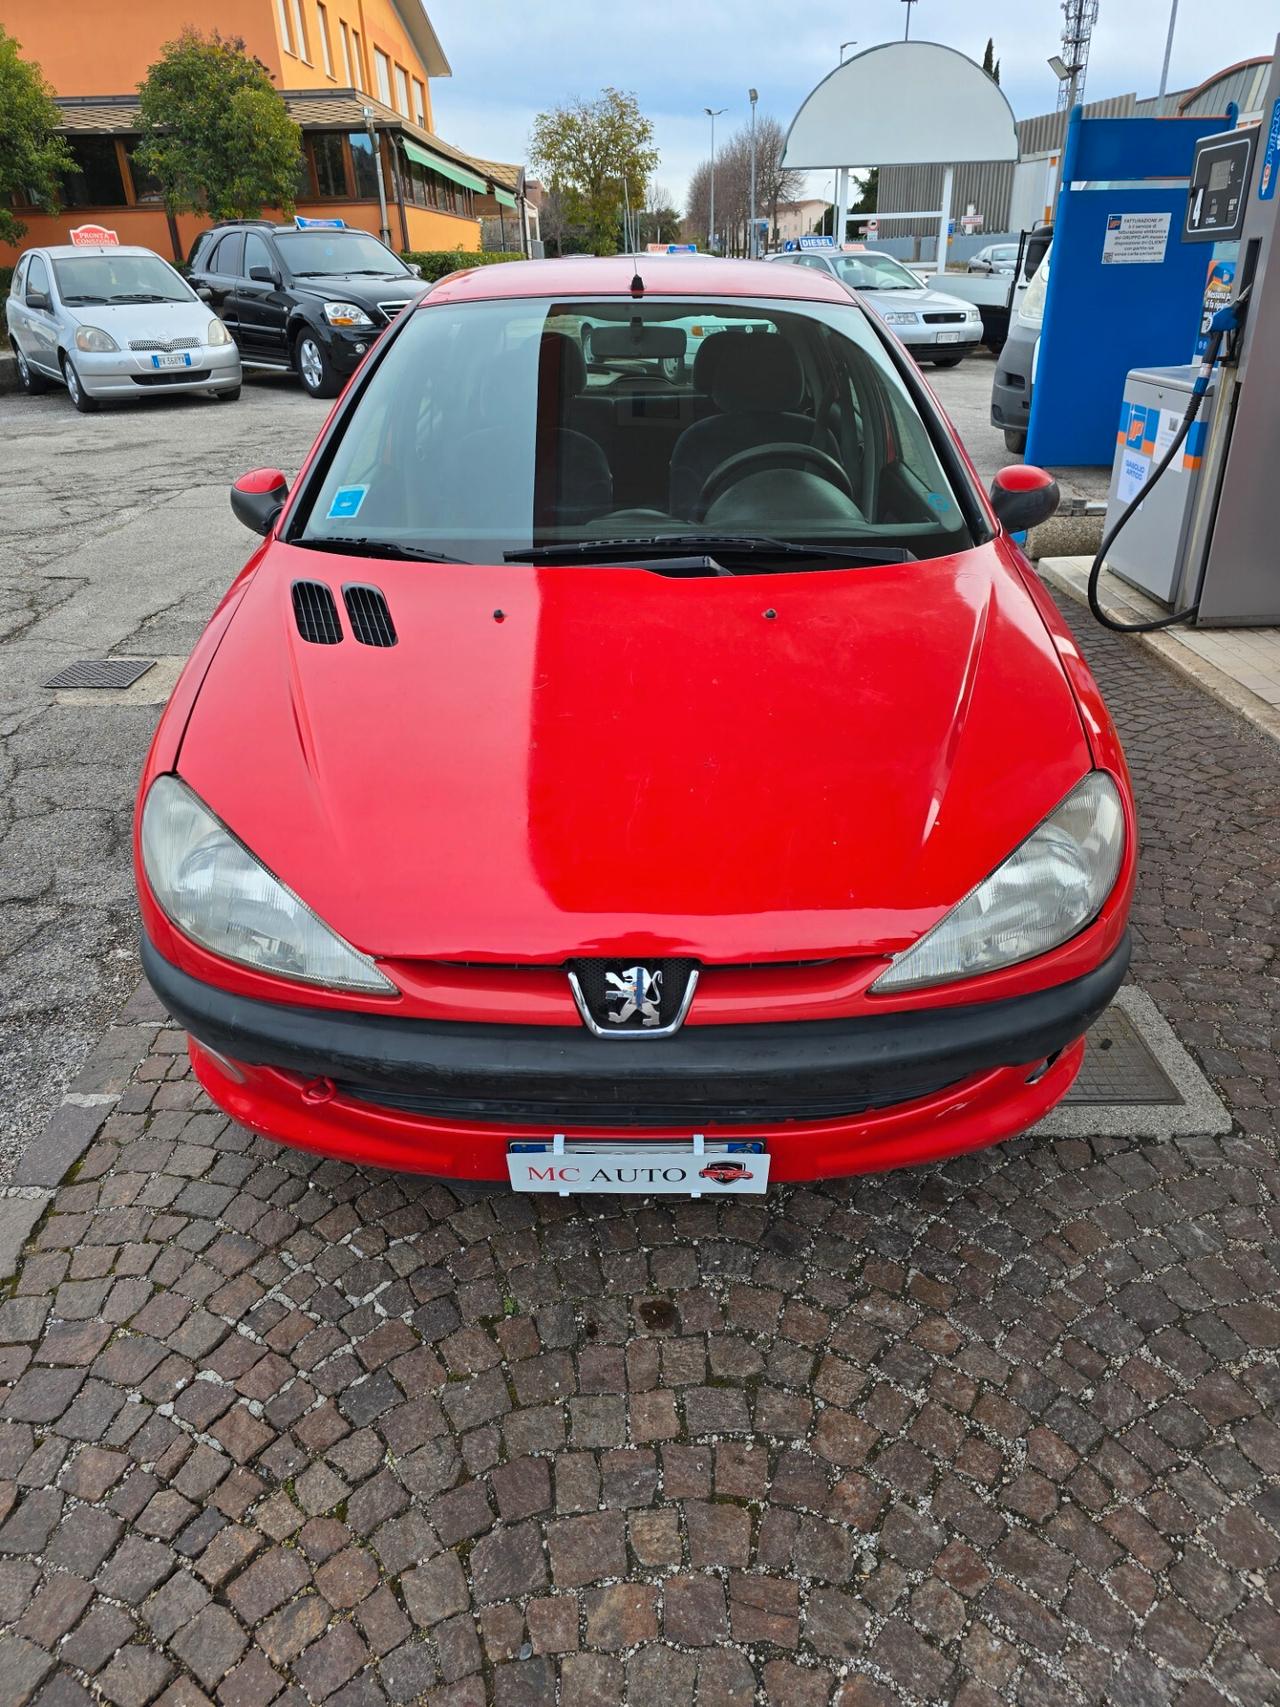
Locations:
column 370, row 619
column 316, row 613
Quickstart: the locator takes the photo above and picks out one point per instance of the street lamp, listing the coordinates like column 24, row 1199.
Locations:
column 384, row 230
column 1168, row 47
column 753, row 248
column 1065, row 73
column 843, row 45
column 713, row 113
column 906, row 34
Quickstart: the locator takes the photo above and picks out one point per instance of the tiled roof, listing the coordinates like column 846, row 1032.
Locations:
column 313, row 109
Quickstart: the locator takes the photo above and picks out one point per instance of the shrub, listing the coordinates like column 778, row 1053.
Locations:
column 435, row 263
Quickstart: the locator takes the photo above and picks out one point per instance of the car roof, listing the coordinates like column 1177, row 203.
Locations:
column 62, row 251
column 699, row 276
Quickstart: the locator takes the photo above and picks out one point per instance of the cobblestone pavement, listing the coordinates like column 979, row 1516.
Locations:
column 997, row 1431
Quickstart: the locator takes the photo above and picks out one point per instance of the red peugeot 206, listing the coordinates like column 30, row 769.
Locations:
column 637, row 770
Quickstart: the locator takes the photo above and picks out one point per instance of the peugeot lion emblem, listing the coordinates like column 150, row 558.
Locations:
column 634, row 990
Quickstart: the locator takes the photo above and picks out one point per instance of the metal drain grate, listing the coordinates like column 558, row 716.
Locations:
column 1119, row 1068
column 101, row 673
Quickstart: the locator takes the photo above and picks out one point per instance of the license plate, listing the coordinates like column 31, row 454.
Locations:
column 948, row 337
column 182, row 359
column 695, row 1169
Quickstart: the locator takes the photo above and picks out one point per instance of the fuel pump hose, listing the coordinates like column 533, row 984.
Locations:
column 1224, row 321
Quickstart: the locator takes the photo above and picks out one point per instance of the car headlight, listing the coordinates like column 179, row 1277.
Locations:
column 217, row 334
column 895, row 317
column 1049, row 888
column 95, row 339
column 973, row 314
column 215, row 891
column 346, row 314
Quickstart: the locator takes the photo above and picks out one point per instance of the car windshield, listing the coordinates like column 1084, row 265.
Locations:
column 118, row 278
column 874, row 272
column 484, row 433
column 1004, row 256
column 312, row 253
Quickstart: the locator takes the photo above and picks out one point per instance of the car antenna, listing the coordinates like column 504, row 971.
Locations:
column 637, row 285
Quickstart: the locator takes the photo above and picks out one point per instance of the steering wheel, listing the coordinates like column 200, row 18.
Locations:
column 737, row 467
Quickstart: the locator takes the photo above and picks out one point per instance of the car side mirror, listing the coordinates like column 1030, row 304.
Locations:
column 264, row 275
column 38, row 299
column 1023, row 496
column 204, row 293
column 257, row 498
column 414, row 268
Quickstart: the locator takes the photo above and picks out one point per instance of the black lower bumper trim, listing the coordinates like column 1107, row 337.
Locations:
column 713, row 1073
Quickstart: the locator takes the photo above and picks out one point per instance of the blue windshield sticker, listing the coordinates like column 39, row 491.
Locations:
column 346, row 503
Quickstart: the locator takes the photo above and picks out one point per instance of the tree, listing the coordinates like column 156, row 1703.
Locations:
column 215, row 132
column 32, row 154
column 775, row 183
column 990, row 64
column 600, row 153
column 868, row 192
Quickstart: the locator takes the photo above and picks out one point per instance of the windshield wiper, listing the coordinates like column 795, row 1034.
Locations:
column 363, row 546
column 145, row 296
column 722, row 544
column 81, row 301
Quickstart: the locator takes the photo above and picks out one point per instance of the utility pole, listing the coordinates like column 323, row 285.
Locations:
column 845, row 44
column 385, row 230
column 753, row 248
column 1168, row 46
column 713, row 113
column 906, row 34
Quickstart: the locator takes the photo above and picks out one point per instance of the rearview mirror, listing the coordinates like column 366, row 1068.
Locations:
column 414, row 268
column 204, row 293
column 1023, row 496
column 257, row 498
column 38, row 299
column 264, row 275
column 635, row 341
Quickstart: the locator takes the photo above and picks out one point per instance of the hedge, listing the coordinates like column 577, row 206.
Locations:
column 6, row 274
column 435, row 263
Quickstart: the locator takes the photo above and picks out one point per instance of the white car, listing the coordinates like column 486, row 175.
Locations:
column 114, row 321
column 934, row 326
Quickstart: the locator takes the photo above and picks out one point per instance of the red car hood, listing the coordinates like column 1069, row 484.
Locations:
column 747, row 768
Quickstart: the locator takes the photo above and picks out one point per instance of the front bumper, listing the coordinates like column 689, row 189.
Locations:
column 830, row 1097
column 1011, row 387
column 131, row 373
column 955, row 340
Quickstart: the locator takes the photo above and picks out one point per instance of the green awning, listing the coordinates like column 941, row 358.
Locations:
column 446, row 168
column 504, row 198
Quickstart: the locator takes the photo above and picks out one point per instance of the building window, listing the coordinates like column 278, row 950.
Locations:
column 359, row 59
column 364, row 168
column 326, row 52
column 300, row 30
column 329, row 161
column 286, row 34
column 345, row 35
column 420, row 103
column 382, row 76
column 145, row 187
column 402, row 91
column 96, row 179
column 426, row 188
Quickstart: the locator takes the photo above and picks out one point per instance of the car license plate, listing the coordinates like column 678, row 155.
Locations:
column 694, row 1169
column 181, row 359
column 948, row 337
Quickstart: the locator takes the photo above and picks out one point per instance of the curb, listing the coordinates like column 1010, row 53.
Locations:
column 1062, row 574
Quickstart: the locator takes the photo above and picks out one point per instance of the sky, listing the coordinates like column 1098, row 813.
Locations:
column 513, row 58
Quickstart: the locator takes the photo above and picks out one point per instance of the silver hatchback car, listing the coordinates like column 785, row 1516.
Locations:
column 114, row 321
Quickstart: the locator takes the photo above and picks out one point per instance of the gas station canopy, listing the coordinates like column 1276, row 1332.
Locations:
column 905, row 103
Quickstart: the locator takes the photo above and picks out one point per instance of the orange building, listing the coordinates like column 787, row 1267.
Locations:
column 355, row 76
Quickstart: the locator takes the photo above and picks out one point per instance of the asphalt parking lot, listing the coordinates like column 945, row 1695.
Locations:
column 275, row 1430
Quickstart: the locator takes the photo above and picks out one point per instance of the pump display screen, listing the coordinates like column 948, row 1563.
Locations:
column 1219, row 189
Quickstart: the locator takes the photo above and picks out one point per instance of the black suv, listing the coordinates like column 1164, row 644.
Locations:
column 306, row 299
